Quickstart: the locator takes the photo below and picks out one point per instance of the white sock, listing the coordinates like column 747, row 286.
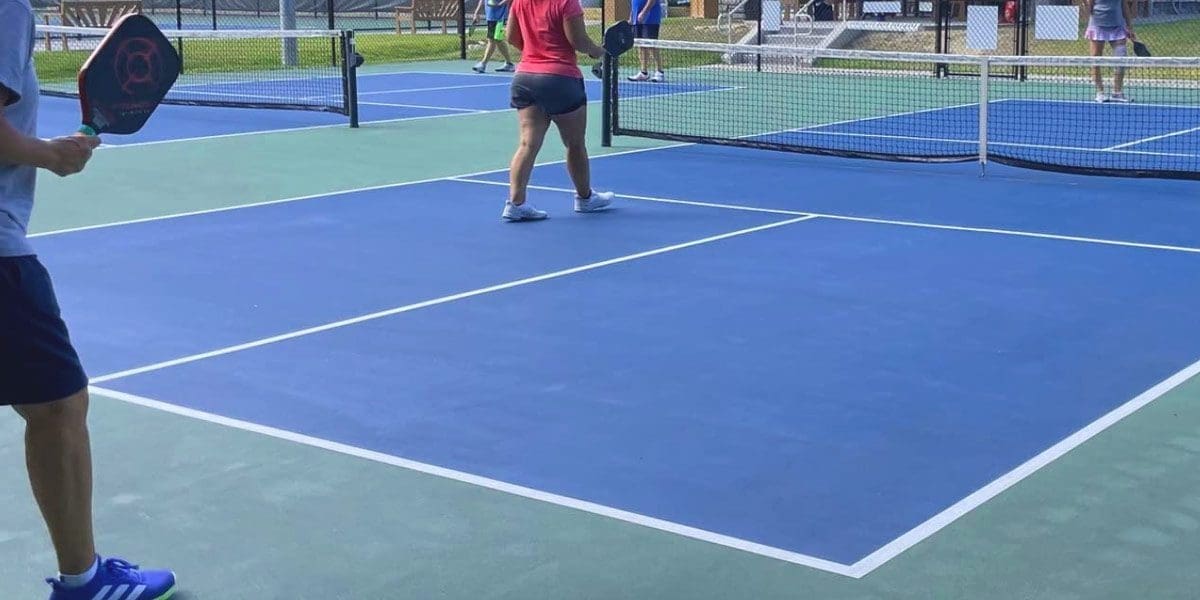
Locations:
column 82, row 579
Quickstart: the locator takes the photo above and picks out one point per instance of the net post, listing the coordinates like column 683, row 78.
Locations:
column 290, row 54
column 984, row 97
column 350, row 75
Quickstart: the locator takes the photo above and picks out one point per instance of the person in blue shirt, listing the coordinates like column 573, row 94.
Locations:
column 497, row 15
column 1109, row 21
column 646, row 18
column 40, row 373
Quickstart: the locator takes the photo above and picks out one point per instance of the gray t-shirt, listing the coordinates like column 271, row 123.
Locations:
column 19, row 80
column 1107, row 13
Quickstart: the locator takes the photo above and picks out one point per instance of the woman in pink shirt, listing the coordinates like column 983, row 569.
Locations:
column 548, row 88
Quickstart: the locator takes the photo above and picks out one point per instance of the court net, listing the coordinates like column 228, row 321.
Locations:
column 1030, row 111
column 282, row 69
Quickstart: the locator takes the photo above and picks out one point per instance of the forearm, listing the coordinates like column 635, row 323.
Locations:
column 583, row 44
column 590, row 48
column 17, row 148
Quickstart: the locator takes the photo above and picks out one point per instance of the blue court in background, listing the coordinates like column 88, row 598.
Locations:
column 819, row 385
column 382, row 97
column 1051, row 131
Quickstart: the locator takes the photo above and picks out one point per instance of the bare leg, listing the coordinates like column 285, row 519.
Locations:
column 1097, row 50
column 573, row 129
column 533, row 123
column 1119, row 74
column 504, row 52
column 58, row 456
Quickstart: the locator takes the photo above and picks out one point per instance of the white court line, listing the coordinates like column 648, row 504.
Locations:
column 837, row 217
column 384, row 186
column 442, row 300
column 484, row 482
column 1106, row 106
column 277, row 99
column 546, row 188
column 1154, row 138
column 431, row 89
column 991, row 143
column 943, row 519
column 471, row 74
column 424, row 106
column 345, row 125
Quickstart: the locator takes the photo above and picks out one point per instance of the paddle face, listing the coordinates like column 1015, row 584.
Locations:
column 1140, row 49
column 126, row 77
column 618, row 39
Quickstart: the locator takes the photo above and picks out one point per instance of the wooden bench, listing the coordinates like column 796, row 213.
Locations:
column 97, row 13
column 92, row 13
column 429, row 11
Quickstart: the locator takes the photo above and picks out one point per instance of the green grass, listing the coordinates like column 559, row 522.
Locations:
column 59, row 67
column 1178, row 38
column 201, row 56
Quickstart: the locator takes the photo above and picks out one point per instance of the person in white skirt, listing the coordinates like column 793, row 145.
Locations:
column 1109, row 21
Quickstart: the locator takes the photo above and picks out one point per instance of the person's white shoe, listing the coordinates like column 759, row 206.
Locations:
column 1119, row 97
column 523, row 212
column 641, row 76
column 1101, row 97
column 658, row 77
column 597, row 201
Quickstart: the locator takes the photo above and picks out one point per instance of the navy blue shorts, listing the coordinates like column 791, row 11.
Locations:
column 554, row 94
column 37, row 361
column 646, row 31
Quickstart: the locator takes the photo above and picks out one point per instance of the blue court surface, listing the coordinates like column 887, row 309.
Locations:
column 1082, row 133
column 383, row 97
column 807, row 371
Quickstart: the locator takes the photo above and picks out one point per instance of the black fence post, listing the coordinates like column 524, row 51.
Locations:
column 179, row 27
column 604, row 17
column 758, row 57
column 332, row 22
column 462, row 29
column 214, row 14
column 941, row 39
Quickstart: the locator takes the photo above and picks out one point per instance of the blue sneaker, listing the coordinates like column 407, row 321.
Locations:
column 118, row 580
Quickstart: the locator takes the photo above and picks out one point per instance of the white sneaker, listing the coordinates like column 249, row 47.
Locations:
column 1101, row 97
column 597, row 201
column 658, row 77
column 1119, row 97
column 479, row 68
column 524, row 212
column 507, row 68
column 641, row 76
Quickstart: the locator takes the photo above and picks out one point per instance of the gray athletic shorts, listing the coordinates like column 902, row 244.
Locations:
column 554, row 94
